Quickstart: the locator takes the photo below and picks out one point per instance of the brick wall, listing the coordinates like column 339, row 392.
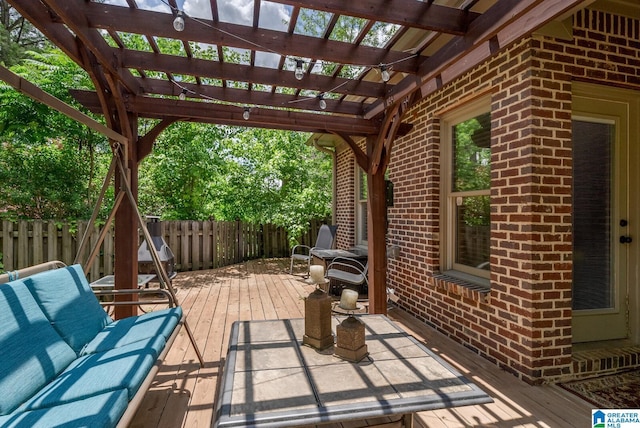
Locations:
column 345, row 199
column 524, row 323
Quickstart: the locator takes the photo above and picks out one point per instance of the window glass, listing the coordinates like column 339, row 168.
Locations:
column 472, row 154
column 473, row 231
column 468, row 211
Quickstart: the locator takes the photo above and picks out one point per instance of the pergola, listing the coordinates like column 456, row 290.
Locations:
column 347, row 68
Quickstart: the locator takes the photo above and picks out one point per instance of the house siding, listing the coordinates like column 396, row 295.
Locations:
column 523, row 324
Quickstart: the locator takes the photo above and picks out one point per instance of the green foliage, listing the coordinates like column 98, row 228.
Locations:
column 26, row 121
column 177, row 180
column 201, row 171
column 17, row 35
column 275, row 178
column 472, row 157
column 49, row 163
column 43, row 182
column 52, row 167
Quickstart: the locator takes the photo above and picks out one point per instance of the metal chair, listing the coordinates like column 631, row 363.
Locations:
column 324, row 241
column 348, row 272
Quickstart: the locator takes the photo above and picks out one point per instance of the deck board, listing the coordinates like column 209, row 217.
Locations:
column 184, row 394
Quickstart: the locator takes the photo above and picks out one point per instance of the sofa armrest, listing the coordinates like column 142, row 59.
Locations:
column 165, row 298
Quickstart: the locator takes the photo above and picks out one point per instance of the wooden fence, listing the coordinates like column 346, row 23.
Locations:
column 197, row 245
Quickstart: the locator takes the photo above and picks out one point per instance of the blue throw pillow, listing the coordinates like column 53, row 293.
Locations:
column 33, row 353
column 68, row 302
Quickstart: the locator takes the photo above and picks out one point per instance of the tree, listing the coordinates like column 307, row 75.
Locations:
column 178, row 179
column 37, row 139
column 17, row 35
column 199, row 171
column 276, row 178
column 46, row 181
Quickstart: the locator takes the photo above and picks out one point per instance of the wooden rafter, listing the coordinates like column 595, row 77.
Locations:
column 253, row 74
column 422, row 15
column 102, row 16
column 243, row 97
column 475, row 35
column 505, row 21
column 79, row 25
column 156, row 108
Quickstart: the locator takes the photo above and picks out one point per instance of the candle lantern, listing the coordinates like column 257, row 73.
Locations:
column 350, row 343
column 316, row 274
column 317, row 313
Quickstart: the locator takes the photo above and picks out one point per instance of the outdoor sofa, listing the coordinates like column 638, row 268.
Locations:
column 65, row 362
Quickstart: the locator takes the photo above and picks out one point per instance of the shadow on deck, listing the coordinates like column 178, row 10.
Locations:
column 183, row 394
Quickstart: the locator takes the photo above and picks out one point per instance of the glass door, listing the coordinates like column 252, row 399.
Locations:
column 600, row 218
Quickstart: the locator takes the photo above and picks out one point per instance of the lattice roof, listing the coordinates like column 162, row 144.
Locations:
column 237, row 59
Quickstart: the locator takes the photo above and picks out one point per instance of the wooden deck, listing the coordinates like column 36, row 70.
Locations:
column 184, row 394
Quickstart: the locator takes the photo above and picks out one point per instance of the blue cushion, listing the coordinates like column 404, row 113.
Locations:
column 133, row 329
column 33, row 353
column 104, row 410
column 67, row 300
column 124, row 367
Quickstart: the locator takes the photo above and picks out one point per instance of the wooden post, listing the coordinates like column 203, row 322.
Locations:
column 126, row 230
column 376, row 236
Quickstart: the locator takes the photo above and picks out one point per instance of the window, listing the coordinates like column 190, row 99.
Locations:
column 361, row 207
column 466, row 190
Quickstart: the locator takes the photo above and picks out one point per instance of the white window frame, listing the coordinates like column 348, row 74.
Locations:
column 361, row 213
column 448, row 199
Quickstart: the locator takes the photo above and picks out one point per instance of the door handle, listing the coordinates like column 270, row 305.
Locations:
column 625, row 239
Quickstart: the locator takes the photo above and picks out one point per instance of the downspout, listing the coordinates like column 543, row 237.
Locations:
column 334, row 180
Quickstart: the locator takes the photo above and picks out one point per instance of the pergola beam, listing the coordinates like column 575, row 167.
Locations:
column 504, row 22
column 252, row 74
column 77, row 22
column 241, row 97
column 223, row 114
column 138, row 21
column 411, row 13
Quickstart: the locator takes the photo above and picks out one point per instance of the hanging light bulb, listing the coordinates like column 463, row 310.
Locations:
column 384, row 72
column 183, row 94
column 246, row 113
column 178, row 22
column 322, row 102
column 299, row 73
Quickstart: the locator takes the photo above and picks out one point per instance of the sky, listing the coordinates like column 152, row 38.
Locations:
column 273, row 16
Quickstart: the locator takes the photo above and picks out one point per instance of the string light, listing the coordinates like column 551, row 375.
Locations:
column 178, row 22
column 384, row 73
column 299, row 71
column 322, row 102
column 246, row 112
